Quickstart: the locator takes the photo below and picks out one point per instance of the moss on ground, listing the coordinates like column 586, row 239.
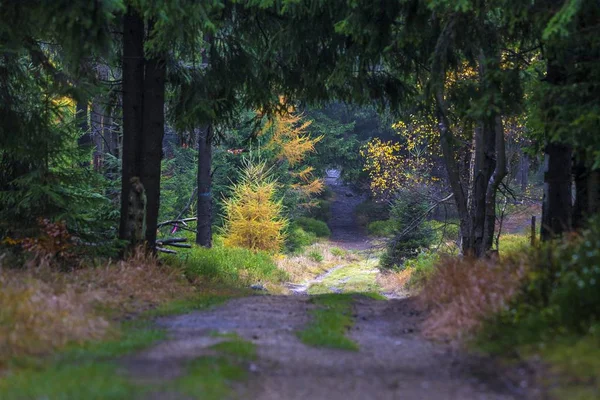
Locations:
column 331, row 319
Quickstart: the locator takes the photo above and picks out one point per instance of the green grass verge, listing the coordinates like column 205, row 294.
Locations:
column 576, row 366
column 88, row 381
column 183, row 306
column 89, row 370
column 210, row 377
column 83, row 371
column 331, row 319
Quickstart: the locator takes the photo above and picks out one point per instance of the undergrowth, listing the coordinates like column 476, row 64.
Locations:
column 43, row 309
column 226, row 265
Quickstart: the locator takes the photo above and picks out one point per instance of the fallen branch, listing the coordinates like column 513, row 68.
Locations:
column 167, row 242
column 163, row 250
column 177, row 221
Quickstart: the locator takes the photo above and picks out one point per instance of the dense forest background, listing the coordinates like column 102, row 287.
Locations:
column 197, row 137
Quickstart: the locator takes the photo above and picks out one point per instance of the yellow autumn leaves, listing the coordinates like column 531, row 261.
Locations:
column 253, row 214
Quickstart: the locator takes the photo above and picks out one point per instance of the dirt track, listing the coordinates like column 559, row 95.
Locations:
column 394, row 360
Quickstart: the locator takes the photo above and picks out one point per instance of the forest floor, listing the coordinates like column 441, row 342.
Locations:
column 334, row 337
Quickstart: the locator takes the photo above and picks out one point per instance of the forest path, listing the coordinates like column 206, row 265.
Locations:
column 345, row 231
column 250, row 348
column 394, row 360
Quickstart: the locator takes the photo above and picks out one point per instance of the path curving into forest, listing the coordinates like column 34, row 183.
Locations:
column 345, row 230
column 394, row 359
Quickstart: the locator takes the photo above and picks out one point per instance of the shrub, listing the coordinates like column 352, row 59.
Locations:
column 421, row 268
column 228, row 265
column 252, row 214
column 462, row 293
column 315, row 256
column 311, row 225
column 381, row 228
column 370, row 210
column 445, row 230
column 321, row 210
column 412, row 235
column 297, row 238
column 336, row 251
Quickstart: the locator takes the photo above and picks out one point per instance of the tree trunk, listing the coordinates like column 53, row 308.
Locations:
column 495, row 180
column 81, row 108
column 451, row 164
column 204, row 225
column 523, row 172
column 593, row 192
column 151, row 150
column 97, row 133
column 556, row 207
column 133, row 83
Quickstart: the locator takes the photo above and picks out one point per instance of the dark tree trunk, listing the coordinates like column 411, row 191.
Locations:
column 204, row 226
column 483, row 166
column 594, row 192
column 556, row 207
column 500, row 171
column 581, row 203
column 133, row 83
column 151, row 151
column 97, row 133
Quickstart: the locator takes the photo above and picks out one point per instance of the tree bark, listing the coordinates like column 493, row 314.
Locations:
column 97, row 133
column 133, row 83
column 204, row 224
column 556, row 206
column 151, row 149
column 451, row 164
column 81, row 108
column 495, row 180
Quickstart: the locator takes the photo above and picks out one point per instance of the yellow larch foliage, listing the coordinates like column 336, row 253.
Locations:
column 253, row 214
column 291, row 142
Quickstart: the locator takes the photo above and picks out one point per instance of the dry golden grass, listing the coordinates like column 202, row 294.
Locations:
column 395, row 282
column 302, row 268
column 42, row 309
column 462, row 292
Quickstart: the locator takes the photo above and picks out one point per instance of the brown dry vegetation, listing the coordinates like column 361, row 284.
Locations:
column 395, row 282
column 302, row 267
column 462, row 292
column 43, row 309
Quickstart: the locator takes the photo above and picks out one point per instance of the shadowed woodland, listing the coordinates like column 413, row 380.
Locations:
column 281, row 199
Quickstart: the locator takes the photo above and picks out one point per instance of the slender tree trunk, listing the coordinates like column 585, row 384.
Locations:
column 204, row 224
column 97, row 133
column 81, row 108
column 495, row 180
column 133, row 83
column 204, row 212
column 594, row 192
column 151, row 151
column 451, row 164
column 523, row 172
column 556, row 207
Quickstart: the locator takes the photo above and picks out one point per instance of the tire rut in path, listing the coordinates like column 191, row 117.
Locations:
column 394, row 361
